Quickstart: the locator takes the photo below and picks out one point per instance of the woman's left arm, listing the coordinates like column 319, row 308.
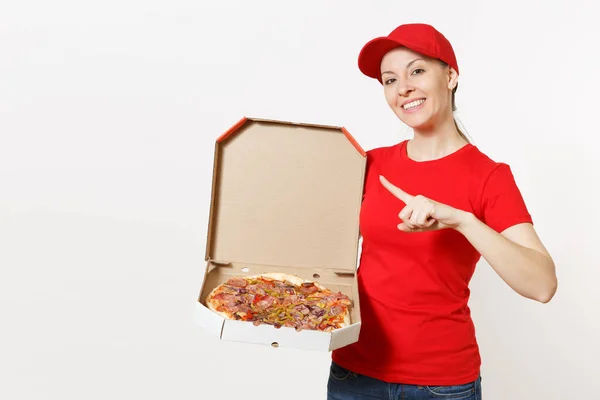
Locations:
column 517, row 255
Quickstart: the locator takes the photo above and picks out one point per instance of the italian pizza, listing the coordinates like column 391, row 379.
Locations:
column 281, row 300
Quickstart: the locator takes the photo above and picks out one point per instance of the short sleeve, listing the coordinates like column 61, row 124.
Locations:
column 502, row 203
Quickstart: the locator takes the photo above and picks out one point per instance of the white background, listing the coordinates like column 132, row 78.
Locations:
column 108, row 115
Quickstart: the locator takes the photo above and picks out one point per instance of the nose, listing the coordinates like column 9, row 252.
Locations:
column 404, row 88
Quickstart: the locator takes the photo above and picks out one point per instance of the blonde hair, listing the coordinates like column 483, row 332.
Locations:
column 460, row 132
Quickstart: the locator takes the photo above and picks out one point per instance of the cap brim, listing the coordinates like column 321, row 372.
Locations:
column 369, row 58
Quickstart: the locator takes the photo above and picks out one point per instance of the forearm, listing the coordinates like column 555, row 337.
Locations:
column 527, row 271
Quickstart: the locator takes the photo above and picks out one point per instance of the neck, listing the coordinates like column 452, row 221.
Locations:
column 434, row 142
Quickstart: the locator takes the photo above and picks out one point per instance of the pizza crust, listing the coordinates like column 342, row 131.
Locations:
column 221, row 313
column 346, row 319
column 296, row 280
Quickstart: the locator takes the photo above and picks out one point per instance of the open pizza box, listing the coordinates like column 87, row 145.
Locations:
column 285, row 198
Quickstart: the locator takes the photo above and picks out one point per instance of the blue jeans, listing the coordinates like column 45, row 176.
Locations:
column 347, row 385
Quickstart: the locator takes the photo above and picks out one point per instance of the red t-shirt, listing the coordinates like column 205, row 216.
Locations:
column 416, row 324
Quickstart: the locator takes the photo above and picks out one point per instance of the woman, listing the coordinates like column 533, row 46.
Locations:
column 432, row 206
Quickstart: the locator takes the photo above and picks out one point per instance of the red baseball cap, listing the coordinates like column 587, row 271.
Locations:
column 421, row 38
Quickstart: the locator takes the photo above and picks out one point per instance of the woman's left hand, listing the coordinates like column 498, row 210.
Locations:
column 423, row 214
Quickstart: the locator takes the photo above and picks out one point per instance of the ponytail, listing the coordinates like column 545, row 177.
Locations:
column 460, row 132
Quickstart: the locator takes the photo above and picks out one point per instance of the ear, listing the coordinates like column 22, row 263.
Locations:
column 452, row 78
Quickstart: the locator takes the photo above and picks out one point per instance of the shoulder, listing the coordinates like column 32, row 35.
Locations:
column 385, row 152
column 481, row 160
column 481, row 166
column 499, row 202
column 494, row 178
column 486, row 179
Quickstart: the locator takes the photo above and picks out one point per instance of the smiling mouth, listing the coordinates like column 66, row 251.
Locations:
column 413, row 104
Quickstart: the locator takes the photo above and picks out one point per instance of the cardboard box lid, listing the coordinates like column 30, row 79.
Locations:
column 286, row 194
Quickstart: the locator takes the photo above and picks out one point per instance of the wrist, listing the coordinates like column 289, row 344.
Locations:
column 465, row 220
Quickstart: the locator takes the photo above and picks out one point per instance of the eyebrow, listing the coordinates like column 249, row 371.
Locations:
column 407, row 66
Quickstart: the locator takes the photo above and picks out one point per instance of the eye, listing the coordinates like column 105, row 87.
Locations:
column 389, row 81
column 418, row 71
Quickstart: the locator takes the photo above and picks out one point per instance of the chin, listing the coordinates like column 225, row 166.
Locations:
column 414, row 122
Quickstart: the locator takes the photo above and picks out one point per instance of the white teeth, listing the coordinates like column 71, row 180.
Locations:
column 413, row 104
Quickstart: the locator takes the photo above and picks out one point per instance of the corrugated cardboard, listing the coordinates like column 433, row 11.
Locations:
column 285, row 198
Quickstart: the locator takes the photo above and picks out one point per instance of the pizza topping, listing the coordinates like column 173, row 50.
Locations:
column 248, row 298
column 253, row 288
column 335, row 310
column 292, row 299
column 303, row 309
column 227, row 299
column 279, row 287
column 262, row 300
column 308, row 288
column 318, row 312
column 237, row 282
column 291, row 290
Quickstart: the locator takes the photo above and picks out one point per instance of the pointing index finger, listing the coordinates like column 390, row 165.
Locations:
column 396, row 191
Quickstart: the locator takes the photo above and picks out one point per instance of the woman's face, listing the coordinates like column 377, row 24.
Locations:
column 417, row 88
